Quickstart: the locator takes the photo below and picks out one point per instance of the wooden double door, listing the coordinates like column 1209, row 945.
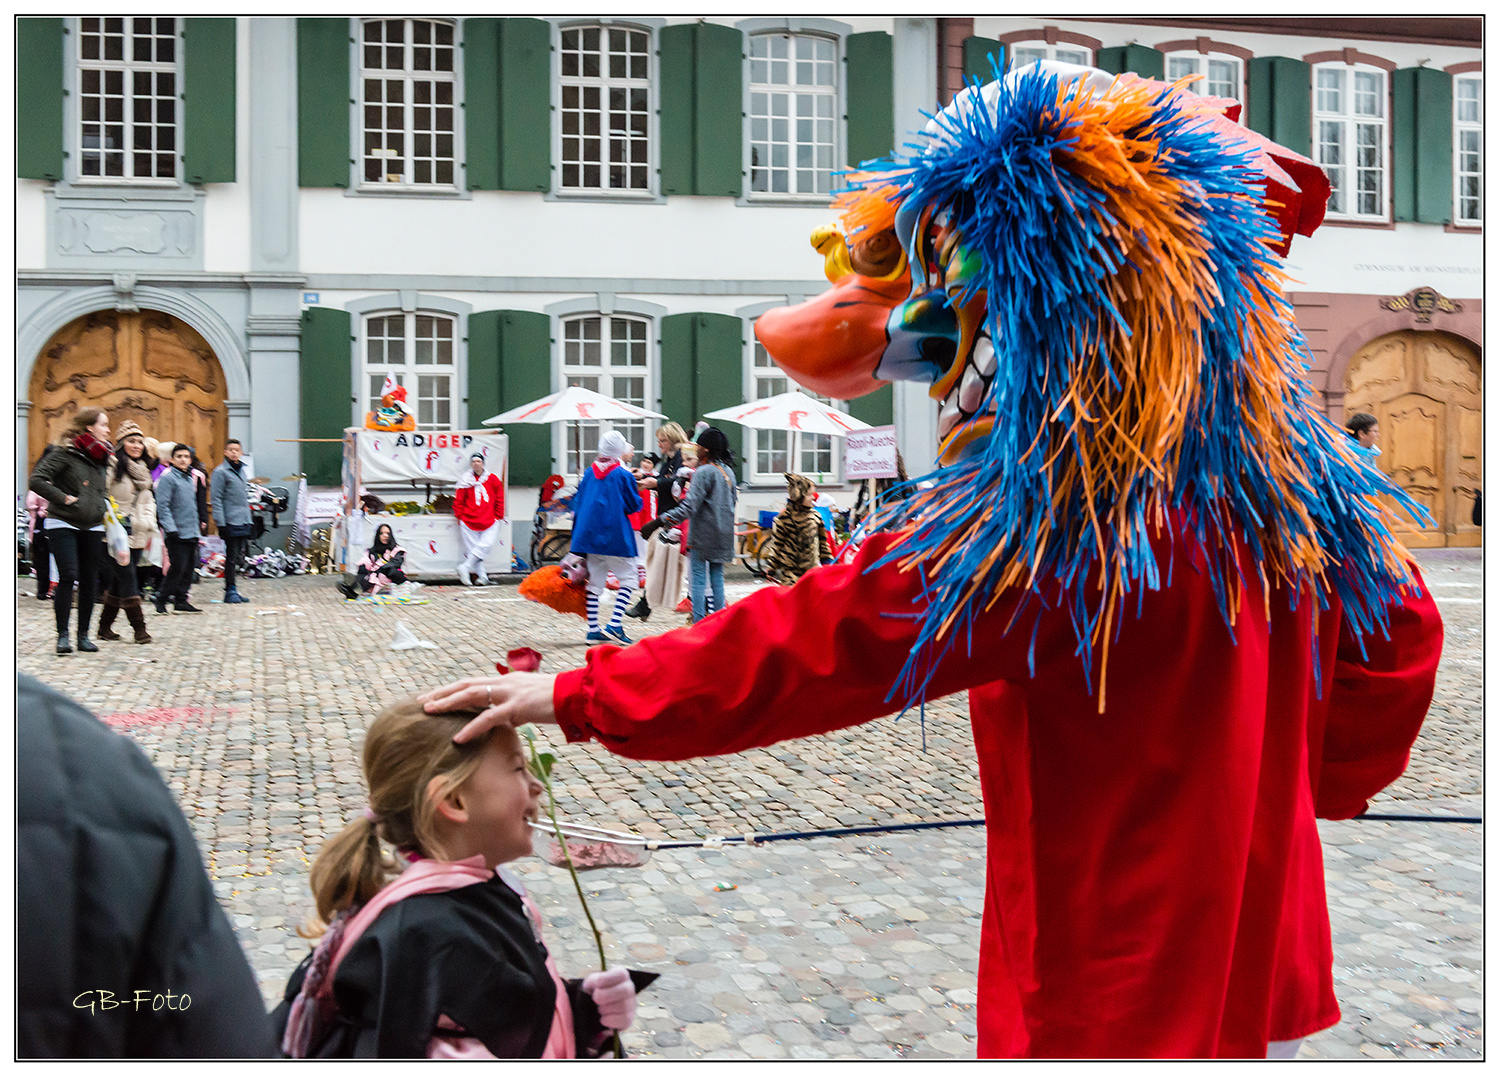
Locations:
column 1426, row 390
column 143, row 365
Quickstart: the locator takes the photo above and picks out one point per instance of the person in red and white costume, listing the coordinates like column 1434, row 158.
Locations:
column 479, row 504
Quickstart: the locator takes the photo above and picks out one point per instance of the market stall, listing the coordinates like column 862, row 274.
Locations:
column 417, row 470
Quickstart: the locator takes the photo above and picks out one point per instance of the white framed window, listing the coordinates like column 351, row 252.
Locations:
column 417, row 348
column 1349, row 138
column 128, row 86
column 608, row 354
column 604, row 76
column 778, row 451
column 1468, row 149
column 793, row 99
column 1028, row 52
column 1224, row 74
column 407, row 106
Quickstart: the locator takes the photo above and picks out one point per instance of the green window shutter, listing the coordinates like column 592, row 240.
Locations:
column 208, row 63
column 484, row 367
column 1279, row 101
column 39, row 98
column 870, row 97
column 977, row 52
column 877, row 408
column 325, row 374
column 481, row 104
column 1143, row 61
column 524, row 339
column 525, row 105
column 675, row 117
column 1422, row 145
column 678, row 364
column 718, row 110
column 323, row 103
column 719, row 347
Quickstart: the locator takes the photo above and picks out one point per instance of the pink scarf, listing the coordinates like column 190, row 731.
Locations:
column 423, row 877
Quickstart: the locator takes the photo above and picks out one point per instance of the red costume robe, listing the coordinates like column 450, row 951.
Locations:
column 1155, row 879
column 479, row 515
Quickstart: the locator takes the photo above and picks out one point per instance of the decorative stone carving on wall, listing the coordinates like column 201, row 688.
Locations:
column 138, row 229
column 1423, row 302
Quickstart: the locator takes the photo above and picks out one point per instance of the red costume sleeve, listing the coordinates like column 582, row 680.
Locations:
column 833, row 645
column 1376, row 707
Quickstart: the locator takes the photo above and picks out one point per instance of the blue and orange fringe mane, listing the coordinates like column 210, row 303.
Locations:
column 1147, row 366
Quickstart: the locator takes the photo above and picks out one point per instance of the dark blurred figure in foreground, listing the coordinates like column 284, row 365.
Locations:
column 121, row 949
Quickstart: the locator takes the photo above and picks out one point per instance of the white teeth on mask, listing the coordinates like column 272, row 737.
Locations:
column 971, row 391
column 983, row 356
column 948, row 418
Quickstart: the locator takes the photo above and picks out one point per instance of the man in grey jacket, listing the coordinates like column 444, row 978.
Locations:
column 177, row 513
column 229, row 496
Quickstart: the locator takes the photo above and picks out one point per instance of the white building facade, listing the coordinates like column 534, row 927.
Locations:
column 238, row 227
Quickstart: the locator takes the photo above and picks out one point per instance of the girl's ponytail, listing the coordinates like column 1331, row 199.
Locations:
column 405, row 749
column 349, row 871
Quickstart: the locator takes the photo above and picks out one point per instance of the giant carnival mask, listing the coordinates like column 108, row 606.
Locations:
column 1083, row 268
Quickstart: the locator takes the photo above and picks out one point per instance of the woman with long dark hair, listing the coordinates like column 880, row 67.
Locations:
column 381, row 567
column 71, row 475
column 130, row 486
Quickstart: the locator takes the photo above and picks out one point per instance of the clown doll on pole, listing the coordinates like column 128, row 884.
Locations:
column 479, row 505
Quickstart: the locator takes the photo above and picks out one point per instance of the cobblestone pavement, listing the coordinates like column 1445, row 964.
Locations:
column 833, row 947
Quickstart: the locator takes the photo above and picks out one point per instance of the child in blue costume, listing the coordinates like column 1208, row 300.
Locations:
column 602, row 534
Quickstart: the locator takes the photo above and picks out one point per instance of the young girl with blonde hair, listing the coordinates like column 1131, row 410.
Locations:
column 444, row 959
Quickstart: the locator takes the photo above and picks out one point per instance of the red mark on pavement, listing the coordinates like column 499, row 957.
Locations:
column 157, row 716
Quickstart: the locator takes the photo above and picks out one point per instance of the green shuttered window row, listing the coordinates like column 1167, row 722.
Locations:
column 208, row 99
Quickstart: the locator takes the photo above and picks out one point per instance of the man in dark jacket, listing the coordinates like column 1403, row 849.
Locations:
column 121, row 949
column 230, row 496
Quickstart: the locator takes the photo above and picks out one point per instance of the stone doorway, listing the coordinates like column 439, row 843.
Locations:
column 1426, row 389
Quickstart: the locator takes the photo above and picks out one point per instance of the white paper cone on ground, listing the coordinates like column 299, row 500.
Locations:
column 406, row 640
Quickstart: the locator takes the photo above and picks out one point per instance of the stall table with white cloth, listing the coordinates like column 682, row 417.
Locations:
column 387, row 464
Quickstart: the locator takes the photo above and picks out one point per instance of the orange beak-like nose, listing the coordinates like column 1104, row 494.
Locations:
column 833, row 343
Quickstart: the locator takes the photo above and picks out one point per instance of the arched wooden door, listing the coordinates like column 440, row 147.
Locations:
column 146, row 366
column 1426, row 390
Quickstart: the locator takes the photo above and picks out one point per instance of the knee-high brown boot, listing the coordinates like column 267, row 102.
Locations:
column 107, row 613
column 137, row 618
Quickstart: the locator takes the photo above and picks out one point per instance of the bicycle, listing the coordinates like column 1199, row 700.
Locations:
column 753, row 547
column 549, row 545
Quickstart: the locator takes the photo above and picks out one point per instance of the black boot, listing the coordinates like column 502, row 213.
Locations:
column 63, row 646
column 107, row 613
column 86, row 644
column 640, row 608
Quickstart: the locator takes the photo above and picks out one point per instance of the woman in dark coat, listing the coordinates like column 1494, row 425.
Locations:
column 71, row 475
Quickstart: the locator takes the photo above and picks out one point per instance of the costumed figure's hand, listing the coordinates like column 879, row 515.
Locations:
column 614, row 997
column 514, row 699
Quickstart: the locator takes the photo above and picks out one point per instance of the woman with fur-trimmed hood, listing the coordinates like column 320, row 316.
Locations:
column 799, row 541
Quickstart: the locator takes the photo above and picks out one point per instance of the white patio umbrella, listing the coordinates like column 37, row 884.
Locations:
column 573, row 404
column 791, row 410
